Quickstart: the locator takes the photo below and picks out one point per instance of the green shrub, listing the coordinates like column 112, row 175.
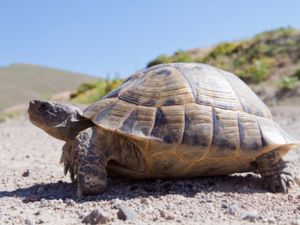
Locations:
column 113, row 84
column 297, row 73
column 258, row 71
column 288, row 83
column 273, row 34
column 159, row 60
column 181, row 56
column 223, row 49
column 95, row 90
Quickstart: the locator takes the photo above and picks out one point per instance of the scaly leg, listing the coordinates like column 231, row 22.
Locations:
column 67, row 159
column 274, row 172
column 89, row 163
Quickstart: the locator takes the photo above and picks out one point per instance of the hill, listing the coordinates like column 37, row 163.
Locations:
column 21, row 82
column 269, row 62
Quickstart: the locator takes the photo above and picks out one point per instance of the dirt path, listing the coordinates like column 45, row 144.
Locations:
column 33, row 189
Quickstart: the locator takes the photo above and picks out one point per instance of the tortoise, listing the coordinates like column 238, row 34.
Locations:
column 169, row 121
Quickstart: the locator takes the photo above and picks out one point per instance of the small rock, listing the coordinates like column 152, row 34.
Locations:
column 31, row 198
column 170, row 217
column 145, row 201
column 233, row 209
column 70, row 202
column 251, row 216
column 28, row 222
column 205, row 199
column 37, row 213
column 290, row 197
column 126, row 213
column 162, row 213
column 271, row 220
column 44, row 203
column 26, row 173
column 40, row 221
column 95, row 217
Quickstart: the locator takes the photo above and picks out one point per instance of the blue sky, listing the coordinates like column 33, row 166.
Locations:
column 121, row 36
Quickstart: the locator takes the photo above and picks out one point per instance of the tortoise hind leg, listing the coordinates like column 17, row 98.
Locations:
column 90, row 163
column 273, row 170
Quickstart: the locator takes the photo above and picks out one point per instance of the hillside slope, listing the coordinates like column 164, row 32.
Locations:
column 269, row 60
column 21, row 82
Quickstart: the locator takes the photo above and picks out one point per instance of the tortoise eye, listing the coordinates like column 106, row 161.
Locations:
column 43, row 107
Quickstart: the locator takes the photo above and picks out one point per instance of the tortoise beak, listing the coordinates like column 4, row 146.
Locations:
column 33, row 104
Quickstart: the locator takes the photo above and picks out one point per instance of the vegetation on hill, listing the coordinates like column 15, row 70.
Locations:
column 94, row 90
column 271, row 58
column 268, row 54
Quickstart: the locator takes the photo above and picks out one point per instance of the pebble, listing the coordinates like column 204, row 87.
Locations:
column 37, row 213
column 163, row 213
column 251, row 216
column 271, row 220
column 40, row 221
column 145, row 201
column 28, row 222
column 126, row 213
column 205, row 199
column 95, row 217
column 26, row 173
column 70, row 202
column 233, row 209
column 44, row 203
column 170, row 217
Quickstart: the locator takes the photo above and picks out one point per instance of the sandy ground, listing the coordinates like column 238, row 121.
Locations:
column 33, row 189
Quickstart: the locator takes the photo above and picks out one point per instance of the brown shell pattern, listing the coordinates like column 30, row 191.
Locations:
column 194, row 110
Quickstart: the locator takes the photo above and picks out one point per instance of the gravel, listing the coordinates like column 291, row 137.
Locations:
column 46, row 196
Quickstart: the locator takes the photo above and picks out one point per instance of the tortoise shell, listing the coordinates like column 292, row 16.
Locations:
column 190, row 120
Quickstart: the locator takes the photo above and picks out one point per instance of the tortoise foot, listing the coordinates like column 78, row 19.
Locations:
column 274, row 172
column 278, row 182
column 89, row 184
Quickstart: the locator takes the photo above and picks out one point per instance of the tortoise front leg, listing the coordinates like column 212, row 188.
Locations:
column 274, row 172
column 67, row 159
column 89, row 163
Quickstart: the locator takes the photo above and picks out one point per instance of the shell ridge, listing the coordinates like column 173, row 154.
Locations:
column 183, row 71
column 236, row 95
column 263, row 141
column 128, row 86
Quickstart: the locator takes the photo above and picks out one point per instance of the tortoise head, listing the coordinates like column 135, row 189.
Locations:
column 62, row 121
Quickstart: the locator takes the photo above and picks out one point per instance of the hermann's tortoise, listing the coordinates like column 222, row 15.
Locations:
column 169, row 121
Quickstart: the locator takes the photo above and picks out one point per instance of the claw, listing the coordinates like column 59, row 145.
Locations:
column 66, row 169
column 283, row 185
column 290, row 182
column 272, row 184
